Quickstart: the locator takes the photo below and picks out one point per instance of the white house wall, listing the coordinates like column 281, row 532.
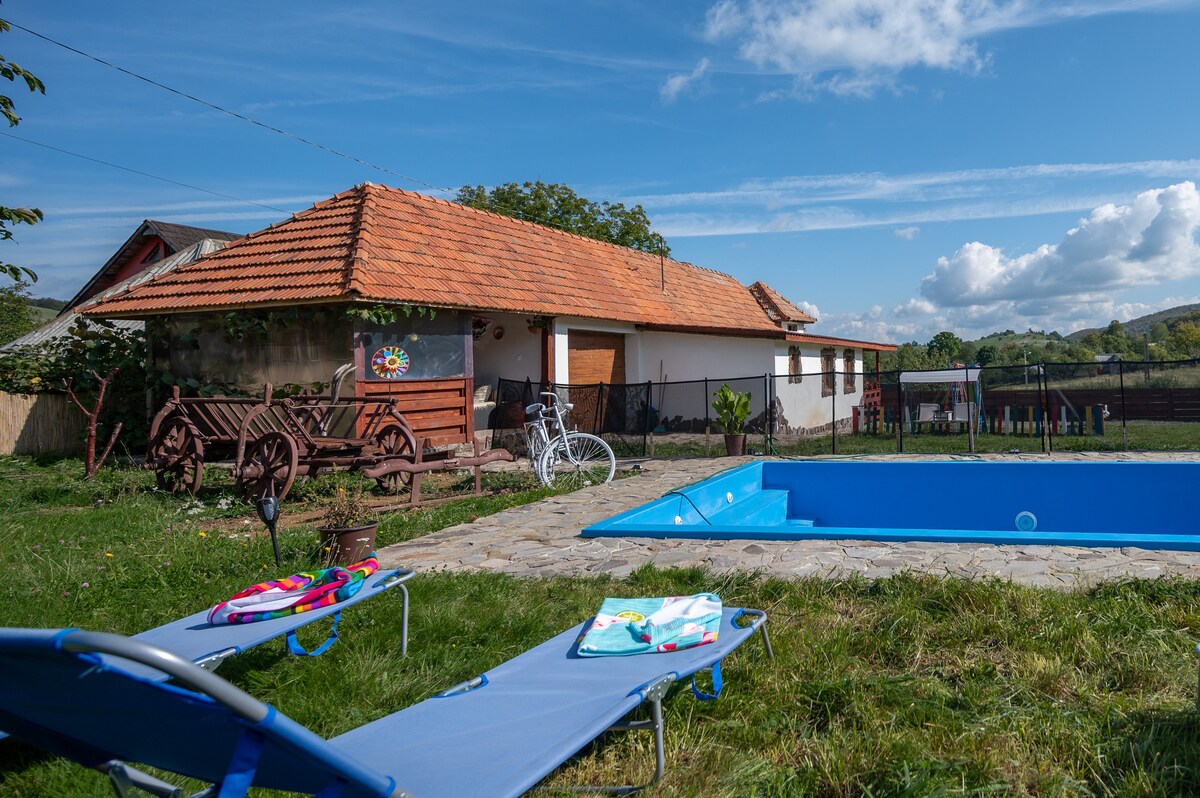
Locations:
column 682, row 357
column 516, row 355
column 801, row 406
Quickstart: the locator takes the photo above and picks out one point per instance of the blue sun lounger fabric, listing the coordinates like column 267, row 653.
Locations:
column 497, row 735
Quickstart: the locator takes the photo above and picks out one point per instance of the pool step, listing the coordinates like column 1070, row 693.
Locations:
column 761, row 508
column 799, row 522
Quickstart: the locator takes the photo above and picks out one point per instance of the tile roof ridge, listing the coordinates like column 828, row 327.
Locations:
column 778, row 307
column 766, row 301
column 362, row 234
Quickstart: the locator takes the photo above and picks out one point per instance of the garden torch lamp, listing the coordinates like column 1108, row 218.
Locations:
column 268, row 513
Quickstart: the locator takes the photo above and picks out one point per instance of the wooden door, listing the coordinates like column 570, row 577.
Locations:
column 594, row 357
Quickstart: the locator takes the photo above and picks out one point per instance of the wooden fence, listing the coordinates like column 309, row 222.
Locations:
column 42, row 423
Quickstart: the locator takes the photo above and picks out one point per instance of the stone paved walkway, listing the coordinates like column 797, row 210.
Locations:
column 542, row 539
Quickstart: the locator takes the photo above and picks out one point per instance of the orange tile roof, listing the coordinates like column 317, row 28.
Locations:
column 777, row 308
column 378, row 244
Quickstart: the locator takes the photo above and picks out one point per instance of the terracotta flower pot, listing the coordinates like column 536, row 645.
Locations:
column 735, row 445
column 348, row 545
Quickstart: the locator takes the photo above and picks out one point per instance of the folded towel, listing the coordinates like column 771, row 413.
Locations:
column 298, row 593
column 625, row 626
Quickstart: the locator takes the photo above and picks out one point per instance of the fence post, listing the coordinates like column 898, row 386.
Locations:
column 899, row 415
column 970, row 404
column 646, row 431
column 767, row 413
column 707, row 422
column 1124, row 428
column 833, row 411
column 1044, row 401
column 599, row 419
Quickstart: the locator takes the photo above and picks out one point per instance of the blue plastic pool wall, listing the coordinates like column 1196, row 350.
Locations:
column 1129, row 497
column 775, row 499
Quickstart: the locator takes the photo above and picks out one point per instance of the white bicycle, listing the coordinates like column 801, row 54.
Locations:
column 562, row 458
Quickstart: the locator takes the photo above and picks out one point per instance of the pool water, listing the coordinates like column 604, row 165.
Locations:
column 1143, row 504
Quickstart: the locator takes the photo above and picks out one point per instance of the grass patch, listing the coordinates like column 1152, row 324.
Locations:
column 908, row 686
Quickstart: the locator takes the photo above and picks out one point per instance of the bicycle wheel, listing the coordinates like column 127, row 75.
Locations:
column 580, row 460
column 536, row 443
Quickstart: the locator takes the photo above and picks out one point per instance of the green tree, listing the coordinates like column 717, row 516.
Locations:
column 14, row 216
column 1114, row 340
column 558, row 206
column 1186, row 339
column 16, row 316
column 944, row 347
column 986, row 355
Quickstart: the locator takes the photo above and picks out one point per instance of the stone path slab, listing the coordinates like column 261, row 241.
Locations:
column 542, row 539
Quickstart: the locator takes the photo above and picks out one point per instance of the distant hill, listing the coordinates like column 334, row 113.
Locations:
column 1141, row 324
column 50, row 304
column 42, row 315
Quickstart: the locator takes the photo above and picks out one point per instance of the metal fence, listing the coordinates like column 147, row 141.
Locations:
column 1115, row 406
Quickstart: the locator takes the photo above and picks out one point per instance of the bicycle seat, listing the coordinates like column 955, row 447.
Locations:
column 536, row 407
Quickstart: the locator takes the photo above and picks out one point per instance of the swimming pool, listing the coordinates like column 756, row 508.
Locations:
column 1143, row 504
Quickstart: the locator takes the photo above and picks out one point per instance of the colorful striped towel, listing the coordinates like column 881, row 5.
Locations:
column 625, row 626
column 298, row 593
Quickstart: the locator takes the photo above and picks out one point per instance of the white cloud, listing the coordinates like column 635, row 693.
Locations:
column 677, row 83
column 1149, row 241
column 810, row 309
column 861, row 45
column 1066, row 286
column 907, row 233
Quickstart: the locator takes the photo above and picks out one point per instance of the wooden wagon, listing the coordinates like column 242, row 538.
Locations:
column 273, row 441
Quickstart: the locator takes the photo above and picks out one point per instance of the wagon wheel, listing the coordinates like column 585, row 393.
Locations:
column 269, row 468
column 178, row 456
column 392, row 440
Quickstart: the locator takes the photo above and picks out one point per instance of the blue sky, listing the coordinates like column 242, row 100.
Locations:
column 898, row 167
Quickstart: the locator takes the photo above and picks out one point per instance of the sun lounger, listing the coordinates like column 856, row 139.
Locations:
column 206, row 644
column 71, row 693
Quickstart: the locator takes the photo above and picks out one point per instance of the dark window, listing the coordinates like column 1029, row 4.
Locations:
column 828, row 377
column 848, row 371
column 154, row 254
column 416, row 347
column 795, row 368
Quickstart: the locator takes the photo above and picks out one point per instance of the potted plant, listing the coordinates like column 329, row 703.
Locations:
column 348, row 527
column 732, row 409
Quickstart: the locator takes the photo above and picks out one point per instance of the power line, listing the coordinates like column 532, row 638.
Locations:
column 143, row 174
column 223, row 110
column 491, row 202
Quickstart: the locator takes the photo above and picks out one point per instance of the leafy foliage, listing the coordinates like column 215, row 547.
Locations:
column 92, row 348
column 732, row 409
column 945, row 346
column 389, row 314
column 13, row 216
column 558, row 206
column 16, row 315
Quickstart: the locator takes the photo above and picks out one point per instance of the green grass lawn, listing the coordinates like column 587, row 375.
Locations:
column 910, row 686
